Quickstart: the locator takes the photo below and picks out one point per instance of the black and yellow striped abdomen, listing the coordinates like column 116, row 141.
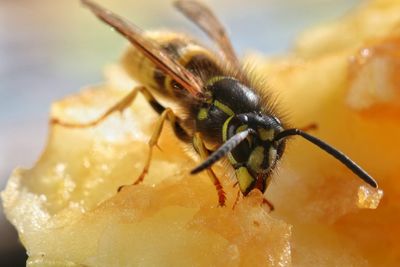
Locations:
column 184, row 50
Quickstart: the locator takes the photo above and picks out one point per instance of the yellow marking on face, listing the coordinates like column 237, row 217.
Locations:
column 227, row 110
column 203, row 114
column 225, row 129
column 256, row 158
column 266, row 134
column 245, row 180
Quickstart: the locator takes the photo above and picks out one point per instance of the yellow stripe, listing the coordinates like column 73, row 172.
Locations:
column 266, row 134
column 214, row 80
column 190, row 50
column 225, row 137
column 245, row 179
column 225, row 129
column 227, row 110
column 256, row 158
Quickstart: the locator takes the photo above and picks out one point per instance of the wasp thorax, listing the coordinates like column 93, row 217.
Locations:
column 256, row 156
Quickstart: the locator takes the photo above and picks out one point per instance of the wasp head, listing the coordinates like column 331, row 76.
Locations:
column 256, row 156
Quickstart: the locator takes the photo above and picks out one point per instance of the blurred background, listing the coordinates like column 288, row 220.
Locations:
column 49, row 49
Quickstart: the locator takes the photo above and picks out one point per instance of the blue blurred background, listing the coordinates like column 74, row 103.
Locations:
column 49, row 49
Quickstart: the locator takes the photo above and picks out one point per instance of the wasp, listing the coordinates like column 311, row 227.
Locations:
column 227, row 114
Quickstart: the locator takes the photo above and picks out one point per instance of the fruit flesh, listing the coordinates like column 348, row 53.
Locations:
column 67, row 211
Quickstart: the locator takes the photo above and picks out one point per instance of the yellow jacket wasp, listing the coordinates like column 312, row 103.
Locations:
column 228, row 114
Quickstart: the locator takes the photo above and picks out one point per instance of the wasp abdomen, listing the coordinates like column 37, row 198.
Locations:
column 195, row 58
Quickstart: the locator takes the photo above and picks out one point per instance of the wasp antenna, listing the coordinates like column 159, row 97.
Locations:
column 332, row 151
column 222, row 150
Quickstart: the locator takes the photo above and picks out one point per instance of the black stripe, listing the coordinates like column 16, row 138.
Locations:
column 159, row 78
column 203, row 66
column 172, row 48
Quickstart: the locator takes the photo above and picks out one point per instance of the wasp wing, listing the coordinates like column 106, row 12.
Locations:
column 204, row 18
column 135, row 35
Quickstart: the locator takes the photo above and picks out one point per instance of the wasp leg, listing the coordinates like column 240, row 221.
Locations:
column 120, row 106
column 260, row 185
column 166, row 114
column 236, row 200
column 203, row 152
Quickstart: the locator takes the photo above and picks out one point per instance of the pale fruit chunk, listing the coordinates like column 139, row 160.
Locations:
column 369, row 198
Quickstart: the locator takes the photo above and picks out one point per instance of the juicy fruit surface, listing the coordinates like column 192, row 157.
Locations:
column 67, row 211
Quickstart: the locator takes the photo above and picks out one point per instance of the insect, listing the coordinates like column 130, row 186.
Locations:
column 228, row 116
